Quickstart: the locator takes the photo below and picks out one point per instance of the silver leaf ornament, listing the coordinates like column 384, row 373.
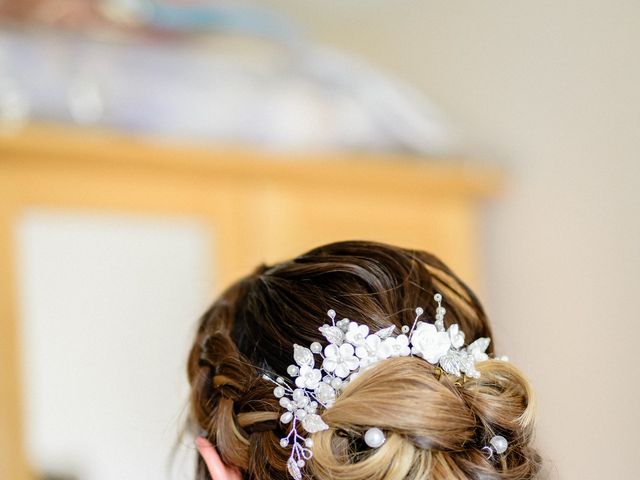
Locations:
column 385, row 332
column 303, row 356
column 478, row 348
column 335, row 335
column 313, row 423
column 450, row 362
column 467, row 365
column 293, row 469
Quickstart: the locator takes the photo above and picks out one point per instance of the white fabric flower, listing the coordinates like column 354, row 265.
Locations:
column 343, row 324
column 326, row 394
column 340, row 360
column 357, row 334
column 368, row 352
column 429, row 343
column 394, row 347
column 456, row 336
column 309, row 377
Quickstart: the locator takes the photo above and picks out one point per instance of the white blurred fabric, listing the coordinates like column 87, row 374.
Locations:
column 108, row 309
column 235, row 91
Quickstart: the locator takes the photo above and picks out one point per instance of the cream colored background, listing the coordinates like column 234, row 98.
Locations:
column 552, row 90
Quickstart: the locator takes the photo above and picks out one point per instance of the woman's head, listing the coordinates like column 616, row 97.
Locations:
column 435, row 429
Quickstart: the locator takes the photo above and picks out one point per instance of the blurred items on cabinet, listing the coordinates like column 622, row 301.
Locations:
column 203, row 72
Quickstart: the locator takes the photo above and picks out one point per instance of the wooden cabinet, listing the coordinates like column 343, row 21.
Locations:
column 259, row 207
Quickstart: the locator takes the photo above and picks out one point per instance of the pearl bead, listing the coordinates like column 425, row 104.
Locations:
column 316, row 347
column 293, row 370
column 374, row 437
column 284, row 442
column 437, row 297
column 499, row 444
column 278, row 392
column 286, row 417
column 308, row 442
column 298, row 394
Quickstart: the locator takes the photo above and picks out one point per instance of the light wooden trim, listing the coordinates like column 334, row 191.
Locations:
column 47, row 144
column 13, row 463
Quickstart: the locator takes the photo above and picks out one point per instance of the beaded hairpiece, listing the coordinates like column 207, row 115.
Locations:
column 350, row 350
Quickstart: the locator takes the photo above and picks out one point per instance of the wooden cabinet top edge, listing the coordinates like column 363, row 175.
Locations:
column 53, row 146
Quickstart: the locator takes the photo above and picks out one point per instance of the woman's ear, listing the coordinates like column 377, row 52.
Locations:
column 217, row 469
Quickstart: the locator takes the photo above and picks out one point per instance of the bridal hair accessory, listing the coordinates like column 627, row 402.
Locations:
column 497, row 444
column 374, row 437
column 350, row 350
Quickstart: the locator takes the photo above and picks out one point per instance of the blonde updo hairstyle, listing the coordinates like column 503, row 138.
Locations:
column 435, row 425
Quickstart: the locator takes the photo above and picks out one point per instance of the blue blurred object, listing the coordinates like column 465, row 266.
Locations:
column 251, row 20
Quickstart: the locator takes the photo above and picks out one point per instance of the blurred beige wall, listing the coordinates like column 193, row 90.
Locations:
column 551, row 90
